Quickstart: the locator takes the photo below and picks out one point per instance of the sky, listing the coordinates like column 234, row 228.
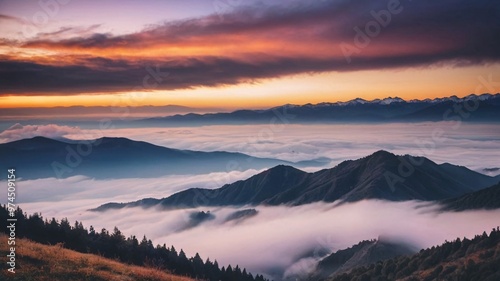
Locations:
column 242, row 54
column 217, row 55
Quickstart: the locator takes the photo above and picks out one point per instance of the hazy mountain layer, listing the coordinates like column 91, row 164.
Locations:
column 104, row 158
column 381, row 175
column 473, row 108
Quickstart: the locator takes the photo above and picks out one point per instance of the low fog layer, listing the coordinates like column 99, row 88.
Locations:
column 276, row 240
column 117, row 190
column 475, row 146
column 471, row 145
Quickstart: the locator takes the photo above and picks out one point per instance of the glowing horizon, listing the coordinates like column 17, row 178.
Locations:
column 245, row 56
column 298, row 89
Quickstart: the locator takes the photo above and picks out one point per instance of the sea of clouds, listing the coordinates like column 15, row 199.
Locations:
column 278, row 241
column 475, row 146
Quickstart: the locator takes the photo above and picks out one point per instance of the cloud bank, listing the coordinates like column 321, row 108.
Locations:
column 472, row 145
column 18, row 132
column 277, row 241
column 103, row 191
column 256, row 42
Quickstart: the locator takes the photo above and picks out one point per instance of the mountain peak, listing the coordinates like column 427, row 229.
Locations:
column 381, row 156
column 39, row 139
column 282, row 168
column 390, row 100
column 382, row 152
column 281, row 172
column 34, row 142
column 388, row 109
column 110, row 157
column 350, row 181
column 116, row 139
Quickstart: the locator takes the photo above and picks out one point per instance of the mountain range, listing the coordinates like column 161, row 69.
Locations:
column 472, row 108
column 41, row 157
column 376, row 176
column 100, row 111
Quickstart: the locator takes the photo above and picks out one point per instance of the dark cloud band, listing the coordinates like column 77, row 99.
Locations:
column 362, row 34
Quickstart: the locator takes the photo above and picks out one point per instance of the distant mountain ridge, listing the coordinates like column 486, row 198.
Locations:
column 41, row 157
column 389, row 100
column 477, row 108
column 366, row 178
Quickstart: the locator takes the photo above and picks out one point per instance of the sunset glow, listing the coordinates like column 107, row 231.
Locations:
column 244, row 56
column 250, row 140
column 298, row 89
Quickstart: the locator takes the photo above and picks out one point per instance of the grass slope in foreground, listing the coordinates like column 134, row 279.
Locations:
column 40, row 262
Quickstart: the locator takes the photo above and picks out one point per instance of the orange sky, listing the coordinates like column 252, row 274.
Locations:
column 296, row 89
column 250, row 57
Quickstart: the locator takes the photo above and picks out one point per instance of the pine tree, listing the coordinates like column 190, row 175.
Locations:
column 126, row 250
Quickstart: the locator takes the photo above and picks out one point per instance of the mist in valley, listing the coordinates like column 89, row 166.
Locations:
column 279, row 241
column 472, row 145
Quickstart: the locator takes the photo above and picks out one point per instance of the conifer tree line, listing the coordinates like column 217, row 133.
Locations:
column 129, row 250
column 458, row 260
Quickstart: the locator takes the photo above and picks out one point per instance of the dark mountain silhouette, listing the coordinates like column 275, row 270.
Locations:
column 195, row 219
column 373, row 177
column 466, row 176
column 467, row 259
column 363, row 253
column 241, row 215
column 42, row 157
column 488, row 198
column 482, row 108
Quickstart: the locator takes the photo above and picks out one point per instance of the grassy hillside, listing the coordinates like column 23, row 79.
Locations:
column 40, row 262
column 126, row 250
